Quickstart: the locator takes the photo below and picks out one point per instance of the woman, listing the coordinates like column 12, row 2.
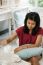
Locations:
column 30, row 33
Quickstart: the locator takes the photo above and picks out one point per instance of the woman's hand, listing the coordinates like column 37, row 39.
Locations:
column 23, row 47
column 3, row 42
column 20, row 48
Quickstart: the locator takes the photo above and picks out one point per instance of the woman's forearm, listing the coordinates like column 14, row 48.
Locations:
column 25, row 46
column 22, row 47
column 32, row 46
column 9, row 39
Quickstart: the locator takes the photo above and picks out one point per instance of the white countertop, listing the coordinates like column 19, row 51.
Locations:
column 7, row 58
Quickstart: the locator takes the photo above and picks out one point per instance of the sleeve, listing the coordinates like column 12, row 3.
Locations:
column 41, row 32
column 19, row 31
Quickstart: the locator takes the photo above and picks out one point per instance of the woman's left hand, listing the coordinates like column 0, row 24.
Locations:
column 20, row 48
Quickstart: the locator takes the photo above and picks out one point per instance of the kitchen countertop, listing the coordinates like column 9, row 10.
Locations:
column 9, row 58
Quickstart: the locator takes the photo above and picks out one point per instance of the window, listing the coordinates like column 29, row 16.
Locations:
column 40, row 3
column 32, row 2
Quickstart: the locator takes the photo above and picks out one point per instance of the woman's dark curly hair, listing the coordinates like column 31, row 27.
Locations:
column 36, row 18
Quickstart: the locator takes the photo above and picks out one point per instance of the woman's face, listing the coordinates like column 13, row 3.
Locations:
column 31, row 24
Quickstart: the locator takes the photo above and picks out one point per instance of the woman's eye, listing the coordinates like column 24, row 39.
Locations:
column 31, row 23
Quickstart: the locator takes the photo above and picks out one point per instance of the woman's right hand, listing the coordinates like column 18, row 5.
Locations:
column 3, row 42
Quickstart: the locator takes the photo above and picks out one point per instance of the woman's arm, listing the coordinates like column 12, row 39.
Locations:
column 37, row 44
column 9, row 39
